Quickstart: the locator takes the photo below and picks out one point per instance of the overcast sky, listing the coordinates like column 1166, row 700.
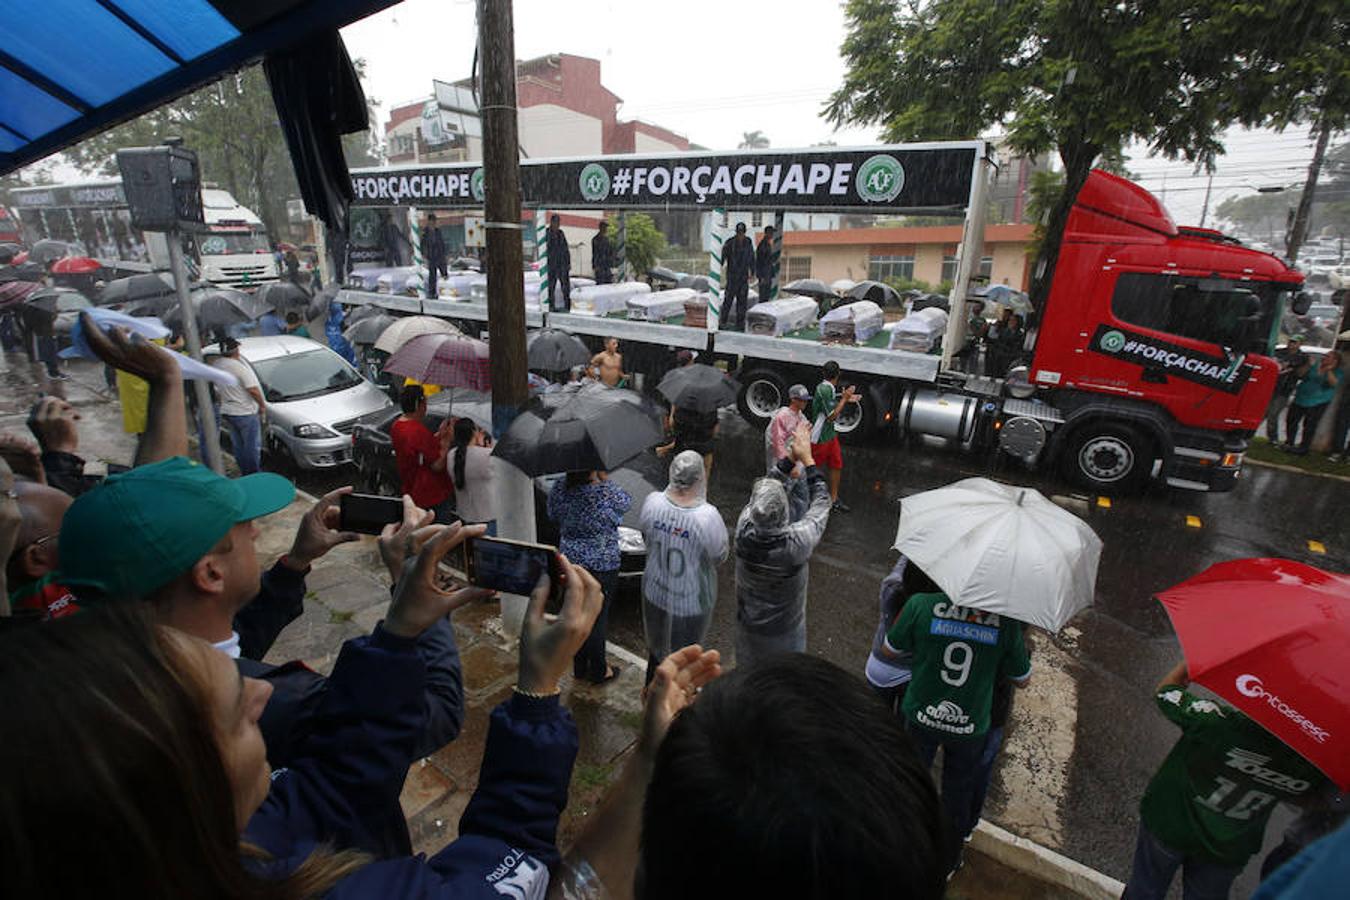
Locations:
column 714, row 70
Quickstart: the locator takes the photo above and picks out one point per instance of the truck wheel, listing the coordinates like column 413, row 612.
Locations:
column 857, row 421
column 762, row 393
column 1108, row 457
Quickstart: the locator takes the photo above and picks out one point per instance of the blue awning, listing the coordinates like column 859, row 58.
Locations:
column 71, row 68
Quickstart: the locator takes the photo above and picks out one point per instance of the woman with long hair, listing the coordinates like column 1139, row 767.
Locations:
column 587, row 508
column 472, row 469
column 141, row 771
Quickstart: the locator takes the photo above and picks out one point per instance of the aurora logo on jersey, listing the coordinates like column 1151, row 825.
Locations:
column 1218, row 372
column 945, row 716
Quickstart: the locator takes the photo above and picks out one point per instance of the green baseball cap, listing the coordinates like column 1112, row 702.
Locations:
column 139, row 530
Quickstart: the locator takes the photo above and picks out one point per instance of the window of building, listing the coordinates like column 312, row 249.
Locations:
column 756, row 219
column 948, row 268
column 879, row 268
column 1216, row 310
column 795, row 267
column 986, row 267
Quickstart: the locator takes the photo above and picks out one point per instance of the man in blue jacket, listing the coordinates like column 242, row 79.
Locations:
column 355, row 757
column 179, row 536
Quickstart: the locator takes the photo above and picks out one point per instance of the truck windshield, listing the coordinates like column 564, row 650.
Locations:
column 1233, row 314
column 227, row 244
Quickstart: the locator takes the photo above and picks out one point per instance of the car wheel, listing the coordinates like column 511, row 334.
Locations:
column 1108, row 457
column 762, row 393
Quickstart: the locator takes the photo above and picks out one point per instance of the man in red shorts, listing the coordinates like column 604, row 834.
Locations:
column 825, row 408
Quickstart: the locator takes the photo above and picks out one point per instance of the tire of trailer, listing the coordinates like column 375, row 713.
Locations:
column 1108, row 456
column 857, row 421
column 762, row 393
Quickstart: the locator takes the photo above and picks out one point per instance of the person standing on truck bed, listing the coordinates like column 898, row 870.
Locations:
column 738, row 259
column 825, row 408
column 602, row 255
column 434, row 254
column 559, row 265
column 764, row 265
column 607, row 365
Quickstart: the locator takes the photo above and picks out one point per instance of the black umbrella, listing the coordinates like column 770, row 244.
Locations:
column 878, row 293
column 661, row 273
column 593, row 427
column 46, row 250
column 810, row 287
column 699, row 387
column 466, row 264
column 137, row 288
column 555, row 350
column 26, row 271
column 930, row 301
column 284, row 296
column 217, row 307
column 8, row 251
column 355, row 314
column 57, row 299
column 367, row 331
column 696, row 282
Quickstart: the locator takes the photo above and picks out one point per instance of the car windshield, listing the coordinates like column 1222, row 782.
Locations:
column 1235, row 315
column 297, row 376
column 232, row 243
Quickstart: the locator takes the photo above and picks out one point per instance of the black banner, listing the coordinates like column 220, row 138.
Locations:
column 1216, row 372
column 897, row 178
column 71, row 195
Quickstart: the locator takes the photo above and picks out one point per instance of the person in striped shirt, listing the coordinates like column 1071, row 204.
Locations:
column 686, row 540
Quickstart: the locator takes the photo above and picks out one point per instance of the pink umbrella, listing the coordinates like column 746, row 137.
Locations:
column 445, row 360
column 12, row 292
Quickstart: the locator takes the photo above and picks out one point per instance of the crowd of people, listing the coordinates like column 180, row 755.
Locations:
column 193, row 768
column 1304, row 393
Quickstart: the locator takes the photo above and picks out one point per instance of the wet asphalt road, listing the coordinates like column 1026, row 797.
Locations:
column 1084, row 738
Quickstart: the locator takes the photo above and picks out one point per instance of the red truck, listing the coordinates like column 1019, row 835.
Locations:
column 1150, row 360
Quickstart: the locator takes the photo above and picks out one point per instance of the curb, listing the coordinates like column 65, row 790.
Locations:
column 1286, row 468
column 1043, row 864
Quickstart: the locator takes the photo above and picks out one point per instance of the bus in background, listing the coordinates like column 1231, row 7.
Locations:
column 234, row 250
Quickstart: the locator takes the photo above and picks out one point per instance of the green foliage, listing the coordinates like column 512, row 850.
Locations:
column 1084, row 79
column 1044, row 193
column 754, row 140
column 644, row 243
column 909, row 284
column 232, row 125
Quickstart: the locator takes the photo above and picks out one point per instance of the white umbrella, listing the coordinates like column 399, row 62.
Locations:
column 1002, row 549
column 404, row 330
column 843, row 285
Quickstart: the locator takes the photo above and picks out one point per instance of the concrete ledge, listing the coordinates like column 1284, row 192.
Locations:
column 1043, row 864
column 1265, row 464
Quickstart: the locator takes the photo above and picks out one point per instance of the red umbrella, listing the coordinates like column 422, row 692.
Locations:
column 20, row 258
column 445, row 360
column 76, row 265
column 1272, row 637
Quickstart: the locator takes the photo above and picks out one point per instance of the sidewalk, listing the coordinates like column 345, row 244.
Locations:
column 348, row 592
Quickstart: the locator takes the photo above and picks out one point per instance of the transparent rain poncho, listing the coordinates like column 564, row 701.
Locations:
column 686, row 539
column 771, row 568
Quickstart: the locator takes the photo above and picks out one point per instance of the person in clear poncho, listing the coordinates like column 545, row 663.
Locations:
column 772, row 552
column 686, row 540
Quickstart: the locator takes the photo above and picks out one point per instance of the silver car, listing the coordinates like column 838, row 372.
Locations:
column 313, row 398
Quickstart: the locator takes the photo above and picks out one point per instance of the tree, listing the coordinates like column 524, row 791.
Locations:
column 643, row 243
column 1270, row 215
column 232, row 125
column 1082, row 79
column 753, row 140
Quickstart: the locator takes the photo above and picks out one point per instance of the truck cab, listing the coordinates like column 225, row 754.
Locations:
column 1156, row 341
column 235, row 249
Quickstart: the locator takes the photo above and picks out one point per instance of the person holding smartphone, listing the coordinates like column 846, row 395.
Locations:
column 588, row 507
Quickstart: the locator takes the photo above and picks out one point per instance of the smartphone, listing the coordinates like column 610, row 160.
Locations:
column 510, row 566
column 368, row 513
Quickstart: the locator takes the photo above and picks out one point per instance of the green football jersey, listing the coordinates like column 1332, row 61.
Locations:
column 1218, row 786
column 958, row 654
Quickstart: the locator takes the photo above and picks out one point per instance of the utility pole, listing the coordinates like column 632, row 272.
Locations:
column 505, row 265
column 1298, row 225
column 1204, row 210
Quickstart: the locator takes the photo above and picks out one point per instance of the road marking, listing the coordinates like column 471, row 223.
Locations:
column 1104, row 502
column 1316, row 546
column 1194, row 522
